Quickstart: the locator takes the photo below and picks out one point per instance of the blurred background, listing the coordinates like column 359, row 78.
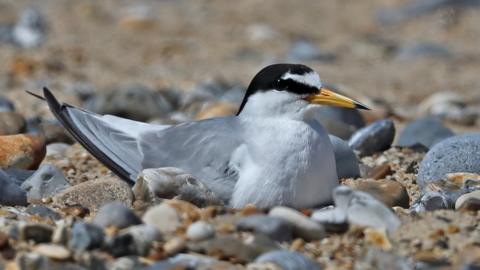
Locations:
column 162, row 57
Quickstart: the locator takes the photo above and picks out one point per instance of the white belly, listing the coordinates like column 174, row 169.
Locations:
column 284, row 162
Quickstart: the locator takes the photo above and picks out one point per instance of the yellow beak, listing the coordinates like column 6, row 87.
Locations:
column 328, row 97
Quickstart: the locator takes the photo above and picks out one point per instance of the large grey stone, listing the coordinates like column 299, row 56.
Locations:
column 288, row 260
column 426, row 132
column 345, row 159
column 116, row 214
column 10, row 193
column 340, row 122
column 457, row 154
column 276, row 228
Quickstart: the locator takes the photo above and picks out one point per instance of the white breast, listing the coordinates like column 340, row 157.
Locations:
column 284, row 162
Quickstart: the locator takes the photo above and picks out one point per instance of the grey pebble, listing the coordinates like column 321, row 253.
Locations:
column 47, row 181
column 455, row 154
column 125, row 263
column 200, row 230
column 373, row 138
column 143, row 236
column 85, row 236
column 425, row 132
column 12, row 123
column 30, row 29
column 6, row 105
column 43, row 211
column 430, row 201
column 288, row 260
column 116, row 214
column 304, row 50
column 423, row 50
column 227, row 246
column 275, row 228
column 340, row 122
column 10, row 193
column 57, row 149
column 345, row 159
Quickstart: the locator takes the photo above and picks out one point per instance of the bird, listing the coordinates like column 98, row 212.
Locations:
column 272, row 152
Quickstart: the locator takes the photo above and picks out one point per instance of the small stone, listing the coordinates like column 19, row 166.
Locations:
column 85, row 236
column 389, row 192
column 377, row 238
column 39, row 233
column 30, row 29
column 12, row 123
column 31, row 261
column 288, row 260
column 455, row 154
column 379, row 172
column 95, row 193
column 21, row 151
column 423, row 50
column 57, row 149
column 200, row 230
column 430, row 201
column 302, row 226
column 143, row 237
column 425, row 132
column 469, row 201
column 115, row 214
column 174, row 245
column 61, row 233
column 276, row 228
column 55, row 252
column 172, row 183
column 373, row 138
column 303, row 50
column 54, row 132
column 217, row 109
column 126, row 263
column 47, row 181
column 42, row 211
column 163, row 217
column 10, row 193
column 345, row 159
column 6, row 105
column 340, row 122
column 226, row 246
column 333, row 219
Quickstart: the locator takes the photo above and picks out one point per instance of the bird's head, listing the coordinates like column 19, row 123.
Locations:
column 290, row 90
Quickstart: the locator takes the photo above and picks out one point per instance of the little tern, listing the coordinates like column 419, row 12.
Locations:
column 273, row 152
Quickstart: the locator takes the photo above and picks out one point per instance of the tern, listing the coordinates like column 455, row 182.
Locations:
column 272, row 152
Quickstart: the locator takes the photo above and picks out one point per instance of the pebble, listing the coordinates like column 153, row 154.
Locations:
column 85, row 236
column 424, row 132
column 174, row 183
column 115, row 214
column 450, row 106
column 143, row 237
column 12, row 123
column 47, row 181
column 174, row 245
column 373, row 138
column 95, row 193
column 42, row 211
column 303, row 226
column 469, row 201
column 10, row 193
column 455, row 154
column 276, row 228
column 303, row 50
column 163, row 217
column 21, row 151
column 226, row 246
column 217, row 109
column 200, row 230
column 134, row 102
column 57, row 149
column 288, row 260
column 389, row 192
column 53, row 251
column 423, row 50
column 430, row 201
column 30, row 29
column 345, row 159
column 6, row 105
column 125, row 263
column 39, row 233
column 340, row 122
column 54, row 132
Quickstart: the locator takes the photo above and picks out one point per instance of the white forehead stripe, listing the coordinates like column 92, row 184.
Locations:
column 311, row 78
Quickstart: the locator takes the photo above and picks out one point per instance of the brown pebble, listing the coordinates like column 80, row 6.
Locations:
column 391, row 193
column 469, row 201
column 188, row 212
column 377, row 238
column 76, row 211
column 174, row 246
column 380, row 172
column 249, row 209
column 21, row 151
column 3, row 240
column 52, row 251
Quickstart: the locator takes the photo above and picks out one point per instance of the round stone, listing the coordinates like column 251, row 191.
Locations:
column 200, row 230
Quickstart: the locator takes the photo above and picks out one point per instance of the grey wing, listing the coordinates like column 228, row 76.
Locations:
column 203, row 148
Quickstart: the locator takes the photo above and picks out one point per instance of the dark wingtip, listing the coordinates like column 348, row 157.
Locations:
column 34, row 94
column 361, row 106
